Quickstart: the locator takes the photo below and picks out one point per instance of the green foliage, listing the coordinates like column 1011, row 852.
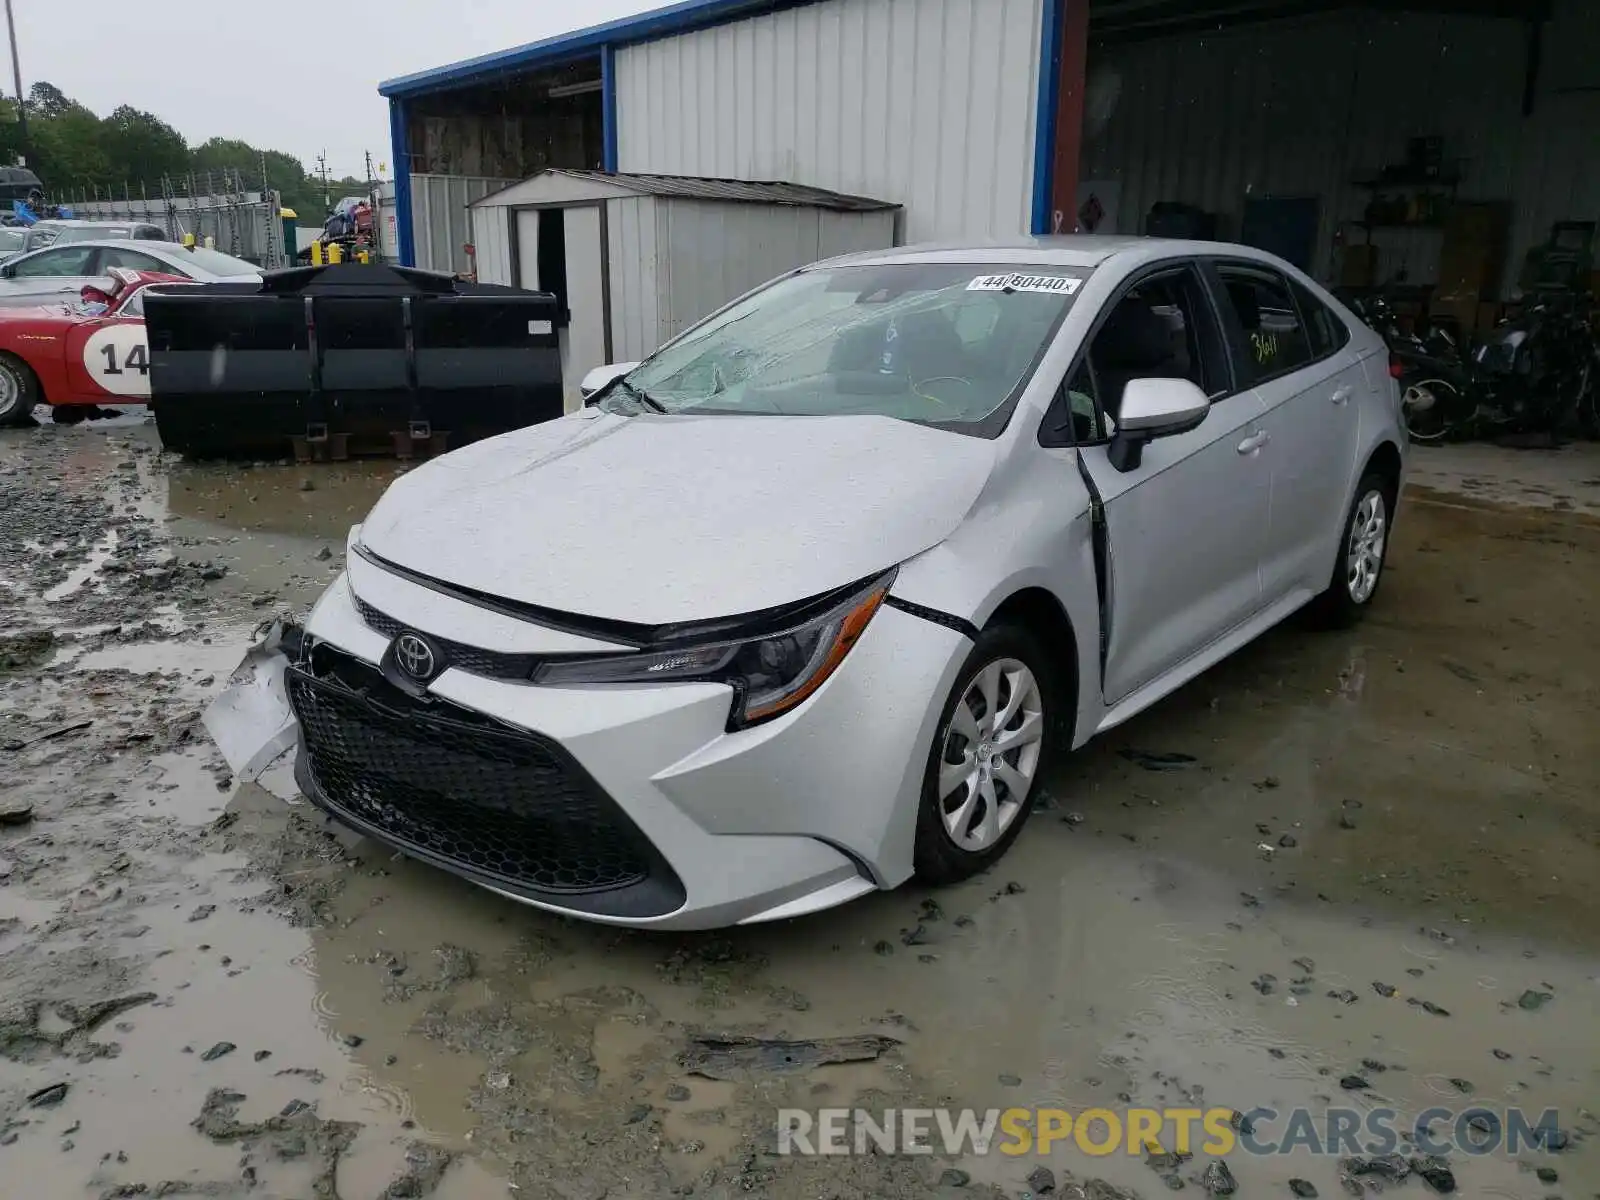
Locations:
column 75, row 151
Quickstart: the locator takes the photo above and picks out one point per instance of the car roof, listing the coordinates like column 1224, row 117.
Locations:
column 137, row 244
column 94, row 223
column 1072, row 250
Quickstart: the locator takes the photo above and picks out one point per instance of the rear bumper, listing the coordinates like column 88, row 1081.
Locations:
column 717, row 828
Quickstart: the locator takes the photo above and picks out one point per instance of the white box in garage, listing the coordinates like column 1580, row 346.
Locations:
column 636, row 259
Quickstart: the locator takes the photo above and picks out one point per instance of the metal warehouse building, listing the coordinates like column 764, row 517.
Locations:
column 1432, row 142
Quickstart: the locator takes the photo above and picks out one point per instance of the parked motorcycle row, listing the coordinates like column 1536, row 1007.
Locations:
column 1536, row 372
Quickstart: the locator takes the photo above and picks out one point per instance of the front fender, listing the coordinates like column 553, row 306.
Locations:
column 1038, row 534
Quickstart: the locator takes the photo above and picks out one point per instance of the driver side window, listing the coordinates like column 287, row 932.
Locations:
column 1159, row 328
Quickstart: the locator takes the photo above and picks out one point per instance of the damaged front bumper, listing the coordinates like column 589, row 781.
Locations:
column 251, row 721
column 630, row 805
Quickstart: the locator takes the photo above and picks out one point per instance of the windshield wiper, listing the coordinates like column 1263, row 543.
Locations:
column 642, row 396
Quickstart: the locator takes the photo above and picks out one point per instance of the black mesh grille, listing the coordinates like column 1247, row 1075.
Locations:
column 472, row 659
column 507, row 807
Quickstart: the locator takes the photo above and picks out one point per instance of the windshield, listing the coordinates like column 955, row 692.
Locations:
column 215, row 262
column 936, row 343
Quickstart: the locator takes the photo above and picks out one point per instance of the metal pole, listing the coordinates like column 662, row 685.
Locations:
column 16, row 75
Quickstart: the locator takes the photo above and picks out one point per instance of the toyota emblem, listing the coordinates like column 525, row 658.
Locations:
column 415, row 656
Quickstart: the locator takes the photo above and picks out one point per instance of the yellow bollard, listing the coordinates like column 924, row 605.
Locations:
column 363, row 256
column 188, row 241
column 316, row 254
column 211, row 242
column 335, row 252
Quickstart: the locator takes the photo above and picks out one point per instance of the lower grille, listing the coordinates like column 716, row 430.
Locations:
column 511, row 809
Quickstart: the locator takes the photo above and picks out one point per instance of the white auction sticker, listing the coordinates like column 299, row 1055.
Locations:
column 1059, row 285
column 117, row 357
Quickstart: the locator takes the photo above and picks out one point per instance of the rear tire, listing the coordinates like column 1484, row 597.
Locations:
column 980, row 781
column 1429, row 406
column 1358, row 570
column 19, row 390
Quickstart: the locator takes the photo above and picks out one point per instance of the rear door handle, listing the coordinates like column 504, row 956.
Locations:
column 1342, row 394
column 1254, row 442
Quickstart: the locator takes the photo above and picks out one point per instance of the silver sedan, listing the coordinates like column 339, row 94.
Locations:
column 63, row 269
column 803, row 605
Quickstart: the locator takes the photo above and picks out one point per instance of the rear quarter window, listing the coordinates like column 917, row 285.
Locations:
column 1327, row 331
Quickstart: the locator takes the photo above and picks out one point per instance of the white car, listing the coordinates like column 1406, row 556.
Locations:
column 64, row 268
column 803, row 605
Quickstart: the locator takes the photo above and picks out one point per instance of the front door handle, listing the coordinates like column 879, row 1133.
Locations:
column 1254, row 442
column 1342, row 394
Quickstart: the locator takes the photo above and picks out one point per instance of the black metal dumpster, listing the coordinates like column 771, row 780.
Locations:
column 348, row 359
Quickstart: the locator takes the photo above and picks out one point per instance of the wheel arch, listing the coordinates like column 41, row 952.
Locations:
column 1041, row 613
column 1386, row 460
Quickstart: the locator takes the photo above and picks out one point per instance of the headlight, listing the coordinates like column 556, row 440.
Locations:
column 770, row 673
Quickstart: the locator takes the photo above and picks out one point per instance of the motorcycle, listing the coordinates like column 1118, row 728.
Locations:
column 1537, row 372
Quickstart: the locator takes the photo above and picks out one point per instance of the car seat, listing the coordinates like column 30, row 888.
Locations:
column 1134, row 343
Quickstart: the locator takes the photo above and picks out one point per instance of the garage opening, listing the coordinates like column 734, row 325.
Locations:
column 513, row 126
column 1428, row 150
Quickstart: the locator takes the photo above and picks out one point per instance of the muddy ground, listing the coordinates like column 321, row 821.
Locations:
column 1373, row 855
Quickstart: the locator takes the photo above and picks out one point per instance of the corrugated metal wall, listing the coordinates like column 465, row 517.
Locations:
column 635, row 266
column 491, row 238
column 1300, row 108
column 440, row 222
column 929, row 103
column 715, row 252
column 673, row 261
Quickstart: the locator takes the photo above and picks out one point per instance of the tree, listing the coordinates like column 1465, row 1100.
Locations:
column 75, row 151
column 141, row 147
column 48, row 101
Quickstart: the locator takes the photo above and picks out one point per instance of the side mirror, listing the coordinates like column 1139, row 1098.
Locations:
column 1154, row 408
column 601, row 378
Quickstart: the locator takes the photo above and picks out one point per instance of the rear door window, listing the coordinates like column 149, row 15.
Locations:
column 1275, row 341
column 134, row 260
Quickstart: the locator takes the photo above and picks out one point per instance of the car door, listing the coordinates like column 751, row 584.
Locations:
column 108, row 357
column 1306, row 381
column 1183, row 528
column 48, row 274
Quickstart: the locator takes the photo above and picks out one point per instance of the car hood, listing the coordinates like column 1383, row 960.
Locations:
column 659, row 519
column 36, row 311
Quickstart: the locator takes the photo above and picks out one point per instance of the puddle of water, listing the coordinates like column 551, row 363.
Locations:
column 86, row 570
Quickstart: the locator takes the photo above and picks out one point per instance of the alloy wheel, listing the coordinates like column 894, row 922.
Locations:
column 1364, row 559
column 991, row 748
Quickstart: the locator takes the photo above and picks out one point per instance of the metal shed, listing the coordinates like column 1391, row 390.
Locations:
column 635, row 259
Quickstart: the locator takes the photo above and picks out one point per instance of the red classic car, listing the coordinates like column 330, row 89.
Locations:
column 78, row 355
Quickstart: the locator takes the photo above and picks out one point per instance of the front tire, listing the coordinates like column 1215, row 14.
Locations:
column 1362, row 551
column 997, row 730
column 19, row 390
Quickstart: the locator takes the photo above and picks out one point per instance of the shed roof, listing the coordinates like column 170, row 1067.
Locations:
column 738, row 191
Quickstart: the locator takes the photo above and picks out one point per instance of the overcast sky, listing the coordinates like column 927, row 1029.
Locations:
column 294, row 75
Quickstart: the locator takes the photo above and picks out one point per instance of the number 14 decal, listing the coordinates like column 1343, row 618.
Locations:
column 138, row 360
